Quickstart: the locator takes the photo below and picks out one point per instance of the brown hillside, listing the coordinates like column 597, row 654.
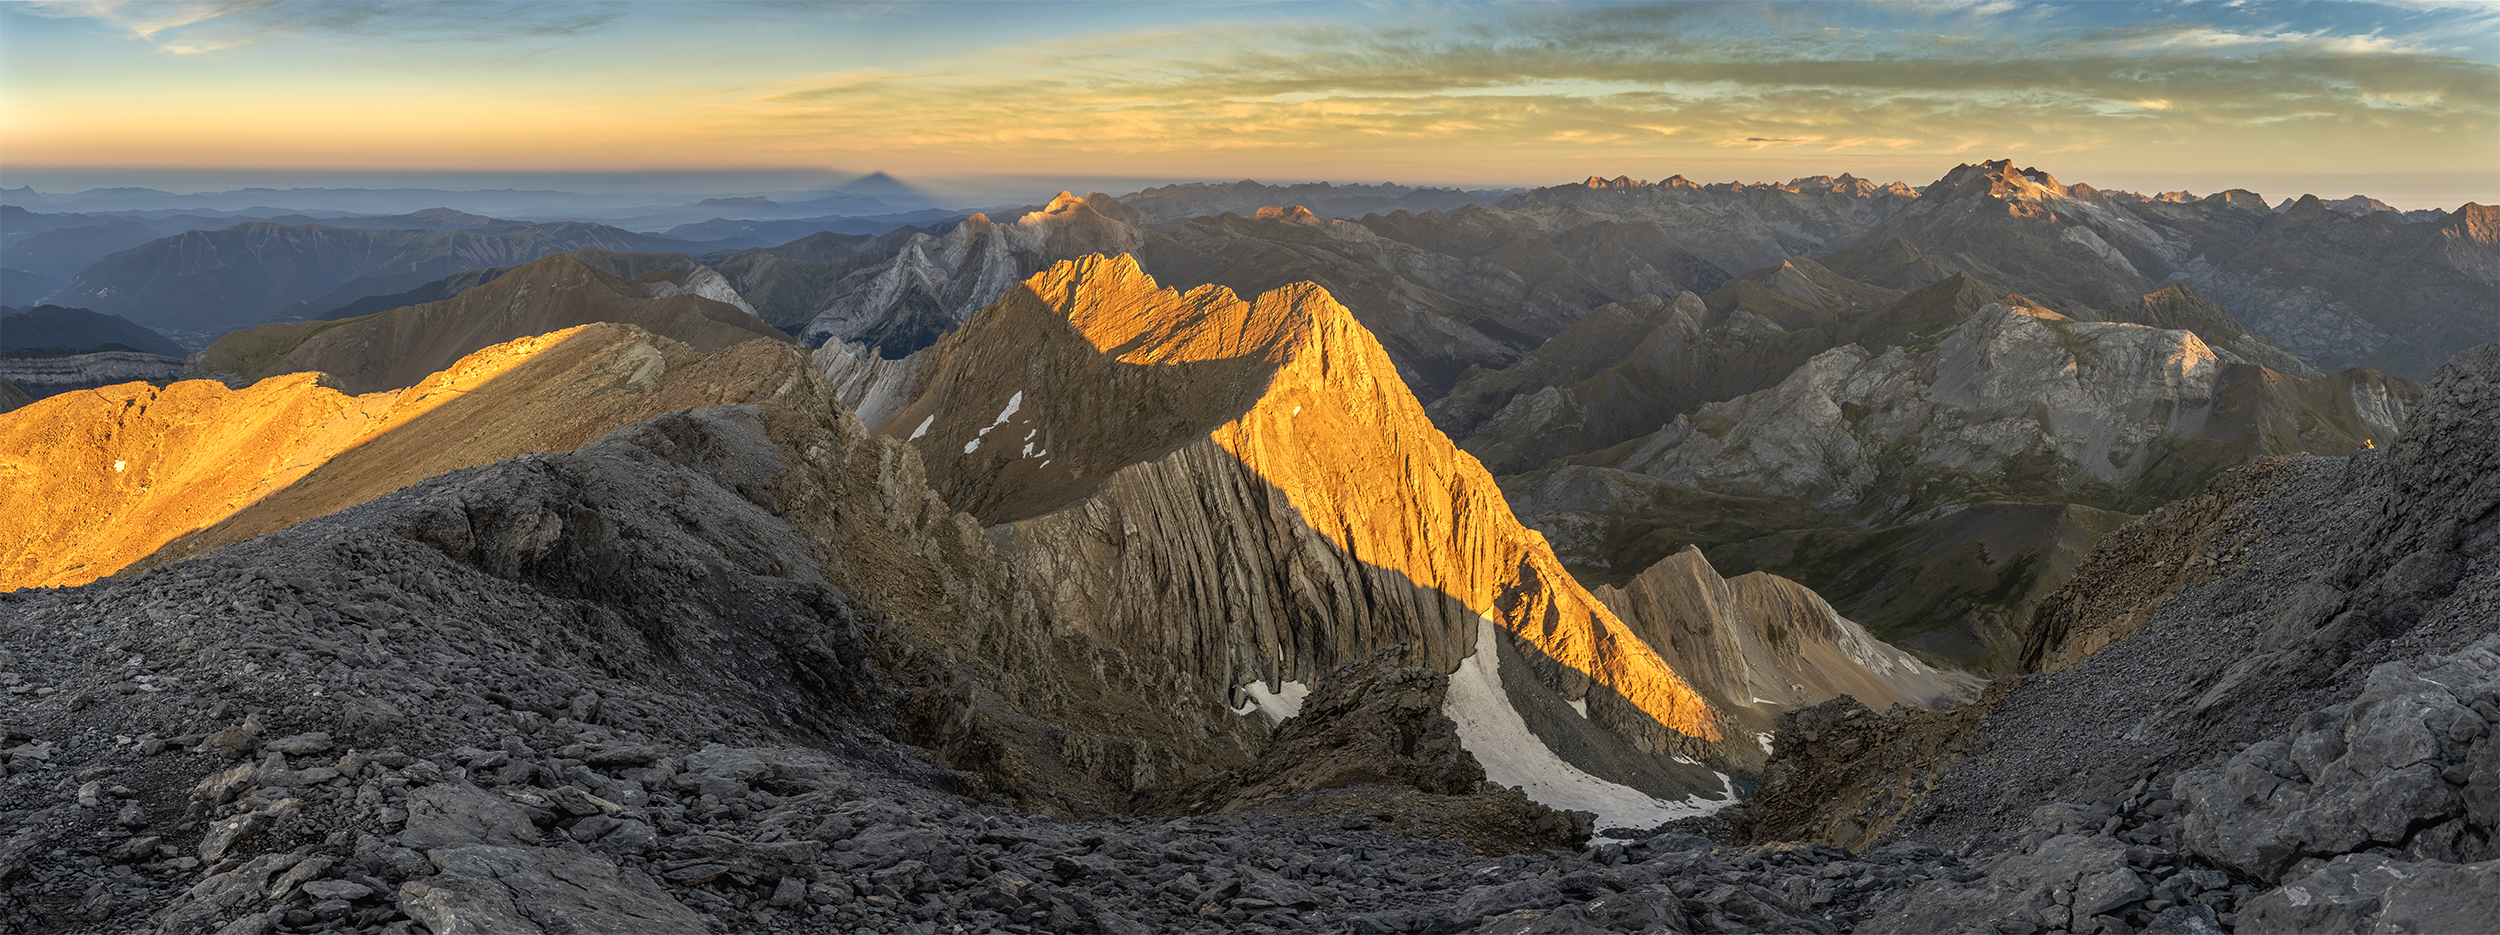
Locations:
column 399, row 347
column 100, row 479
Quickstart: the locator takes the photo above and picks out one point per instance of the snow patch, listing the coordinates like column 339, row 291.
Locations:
column 973, row 445
column 1581, row 705
column 1014, row 403
column 923, row 429
column 1765, row 741
column 1513, row 756
column 1284, row 702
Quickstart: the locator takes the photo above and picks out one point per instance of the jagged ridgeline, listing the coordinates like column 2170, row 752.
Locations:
column 1197, row 508
column 1239, row 495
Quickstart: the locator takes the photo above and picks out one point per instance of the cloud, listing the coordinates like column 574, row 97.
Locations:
column 148, row 21
column 190, row 28
column 1752, row 77
column 1307, row 88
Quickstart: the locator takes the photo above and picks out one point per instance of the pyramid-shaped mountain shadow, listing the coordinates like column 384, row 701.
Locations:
column 1242, row 494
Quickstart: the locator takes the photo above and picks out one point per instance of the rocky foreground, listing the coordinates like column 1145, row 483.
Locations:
column 607, row 690
column 593, row 692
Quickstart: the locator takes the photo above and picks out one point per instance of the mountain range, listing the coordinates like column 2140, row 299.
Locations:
column 1825, row 555
column 210, row 281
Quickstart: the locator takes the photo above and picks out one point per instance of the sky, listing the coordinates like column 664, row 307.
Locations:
column 2399, row 100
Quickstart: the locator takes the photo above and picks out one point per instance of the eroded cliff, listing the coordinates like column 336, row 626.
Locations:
column 1242, row 493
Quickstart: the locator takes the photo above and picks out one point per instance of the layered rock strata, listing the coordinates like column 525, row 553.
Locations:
column 2014, row 404
column 1761, row 644
column 52, row 375
column 1245, row 493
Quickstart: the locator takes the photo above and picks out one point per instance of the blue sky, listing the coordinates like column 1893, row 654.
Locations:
column 2396, row 99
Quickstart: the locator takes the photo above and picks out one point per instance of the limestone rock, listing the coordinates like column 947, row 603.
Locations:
column 2366, row 772
column 40, row 377
column 526, row 891
column 1907, row 432
column 445, row 815
column 1761, row 644
column 1274, row 504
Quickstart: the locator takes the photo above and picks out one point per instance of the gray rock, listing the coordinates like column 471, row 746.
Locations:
column 491, row 890
column 337, row 889
column 308, row 869
column 223, row 835
column 447, row 814
column 2065, row 878
column 2342, row 896
column 300, row 744
column 2185, row 920
column 2109, row 891
column 2442, row 898
column 242, row 886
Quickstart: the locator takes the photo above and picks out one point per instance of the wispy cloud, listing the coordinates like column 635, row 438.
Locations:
column 1310, row 89
column 201, row 26
column 1588, row 75
column 151, row 22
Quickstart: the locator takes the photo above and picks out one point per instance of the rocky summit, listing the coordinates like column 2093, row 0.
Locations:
column 1822, row 556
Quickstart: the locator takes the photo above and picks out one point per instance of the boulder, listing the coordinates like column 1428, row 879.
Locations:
column 448, row 814
column 491, row 890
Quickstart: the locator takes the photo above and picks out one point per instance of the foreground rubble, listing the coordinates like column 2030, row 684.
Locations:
column 608, row 691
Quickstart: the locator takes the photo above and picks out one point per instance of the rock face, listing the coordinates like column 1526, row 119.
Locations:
column 2016, row 404
column 2180, row 308
column 790, row 283
column 864, row 380
column 45, row 375
column 933, row 284
column 1285, row 408
column 2380, row 770
column 1268, row 503
column 2286, row 776
column 119, row 474
column 395, row 349
column 1760, row 644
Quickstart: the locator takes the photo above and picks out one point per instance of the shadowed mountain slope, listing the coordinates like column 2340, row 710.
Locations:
column 77, row 329
column 247, row 273
column 399, row 347
column 1263, row 500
